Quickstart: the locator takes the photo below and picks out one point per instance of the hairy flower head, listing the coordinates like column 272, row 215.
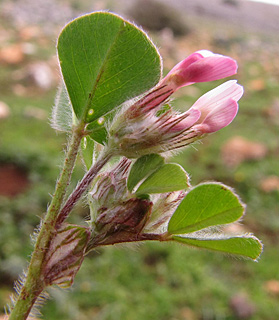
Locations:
column 150, row 125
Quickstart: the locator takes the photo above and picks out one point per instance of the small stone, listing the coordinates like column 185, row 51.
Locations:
column 19, row 90
column 257, row 85
column 29, row 32
column 167, row 44
column 188, row 314
column 270, row 184
column 242, row 307
column 4, row 110
column 5, row 35
column 12, row 54
column 272, row 287
column 156, row 16
column 238, row 149
column 272, row 112
column 13, row 180
column 37, row 113
column 41, row 74
column 85, row 286
column 29, row 48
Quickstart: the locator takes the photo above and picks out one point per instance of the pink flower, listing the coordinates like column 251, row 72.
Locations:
column 201, row 66
column 152, row 101
column 218, row 107
column 145, row 127
column 153, row 133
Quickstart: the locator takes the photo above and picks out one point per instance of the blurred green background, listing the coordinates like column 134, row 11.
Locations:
column 153, row 280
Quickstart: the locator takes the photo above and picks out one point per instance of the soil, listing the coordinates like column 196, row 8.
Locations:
column 244, row 14
column 13, row 180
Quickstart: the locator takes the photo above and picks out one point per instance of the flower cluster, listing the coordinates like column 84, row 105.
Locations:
column 150, row 125
column 115, row 212
column 147, row 127
column 118, row 215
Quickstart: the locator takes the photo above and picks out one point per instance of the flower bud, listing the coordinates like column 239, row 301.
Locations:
column 109, row 188
column 115, row 213
column 130, row 215
column 122, row 223
column 65, row 255
column 201, row 66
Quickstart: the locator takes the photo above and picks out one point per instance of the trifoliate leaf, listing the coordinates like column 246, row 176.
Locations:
column 142, row 168
column 105, row 60
column 169, row 177
column 206, row 205
column 245, row 246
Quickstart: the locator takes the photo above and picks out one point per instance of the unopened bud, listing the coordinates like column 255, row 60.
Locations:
column 201, row 66
column 122, row 223
column 109, row 188
column 129, row 215
column 65, row 255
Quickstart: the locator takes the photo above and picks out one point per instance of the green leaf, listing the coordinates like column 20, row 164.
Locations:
column 206, row 205
column 246, row 245
column 87, row 148
column 100, row 135
column 97, row 129
column 142, row 168
column 62, row 113
column 105, row 60
column 169, row 177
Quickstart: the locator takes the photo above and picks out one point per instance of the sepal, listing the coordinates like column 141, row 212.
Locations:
column 65, row 255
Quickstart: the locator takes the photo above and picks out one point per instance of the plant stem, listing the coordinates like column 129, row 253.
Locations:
column 34, row 282
column 123, row 237
column 82, row 187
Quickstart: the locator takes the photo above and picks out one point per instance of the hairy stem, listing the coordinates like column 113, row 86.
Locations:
column 34, row 282
column 123, row 237
column 82, row 187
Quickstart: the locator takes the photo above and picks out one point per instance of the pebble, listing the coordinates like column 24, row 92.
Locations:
column 4, row 110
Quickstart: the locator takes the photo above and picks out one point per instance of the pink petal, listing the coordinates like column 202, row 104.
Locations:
column 211, row 68
column 214, row 98
column 206, row 53
column 219, row 117
column 201, row 66
column 175, row 78
column 196, row 56
column 192, row 116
